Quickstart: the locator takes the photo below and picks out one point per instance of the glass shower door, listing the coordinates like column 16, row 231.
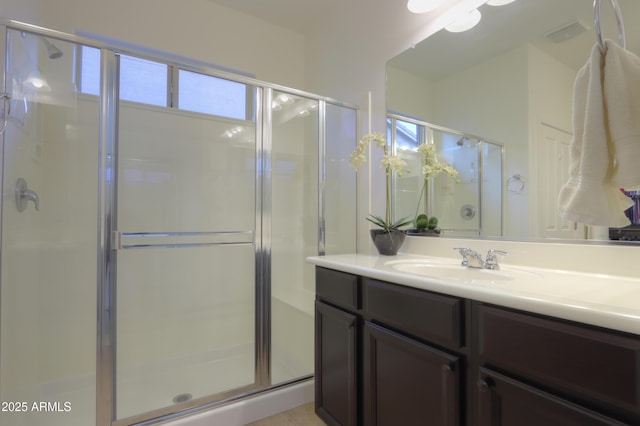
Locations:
column 49, row 236
column 312, row 211
column 294, row 232
column 186, row 250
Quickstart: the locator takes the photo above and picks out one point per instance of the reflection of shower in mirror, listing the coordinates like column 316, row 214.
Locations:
column 52, row 50
column 480, row 167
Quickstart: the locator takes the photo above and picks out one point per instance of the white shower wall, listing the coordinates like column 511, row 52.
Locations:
column 49, row 263
column 294, row 235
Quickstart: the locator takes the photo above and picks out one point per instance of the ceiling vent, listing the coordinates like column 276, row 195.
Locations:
column 566, row 32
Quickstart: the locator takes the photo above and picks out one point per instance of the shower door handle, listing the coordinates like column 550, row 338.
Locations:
column 6, row 99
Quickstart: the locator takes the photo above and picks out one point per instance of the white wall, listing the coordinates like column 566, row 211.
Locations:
column 20, row 10
column 199, row 29
column 409, row 95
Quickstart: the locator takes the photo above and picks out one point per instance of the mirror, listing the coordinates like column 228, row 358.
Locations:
column 467, row 205
column 510, row 80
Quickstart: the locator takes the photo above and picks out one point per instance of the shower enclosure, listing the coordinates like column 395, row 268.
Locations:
column 155, row 219
column 470, row 207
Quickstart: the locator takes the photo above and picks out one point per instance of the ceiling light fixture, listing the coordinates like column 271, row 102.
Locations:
column 465, row 22
column 499, row 2
column 35, row 80
column 285, row 99
column 423, row 6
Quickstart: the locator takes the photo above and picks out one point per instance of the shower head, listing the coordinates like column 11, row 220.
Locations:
column 461, row 141
column 52, row 50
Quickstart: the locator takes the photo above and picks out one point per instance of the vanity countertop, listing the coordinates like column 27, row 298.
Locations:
column 608, row 301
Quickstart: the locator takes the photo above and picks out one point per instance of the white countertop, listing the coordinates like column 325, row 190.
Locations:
column 603, row 300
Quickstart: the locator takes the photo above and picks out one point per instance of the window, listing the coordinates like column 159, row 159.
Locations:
column 89, row 81
column 143, row 81
column 408, row 136
column 150, row 82
column 211, row 95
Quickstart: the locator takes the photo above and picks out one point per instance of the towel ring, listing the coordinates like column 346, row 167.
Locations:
column 516, row 183
column 598, row 24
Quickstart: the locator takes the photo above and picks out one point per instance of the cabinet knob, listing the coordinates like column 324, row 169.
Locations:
column 485, row 385
column 447, row 369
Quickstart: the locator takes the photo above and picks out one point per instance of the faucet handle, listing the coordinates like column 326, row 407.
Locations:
column 464, row 252
column 470, row 257
column 492, row 258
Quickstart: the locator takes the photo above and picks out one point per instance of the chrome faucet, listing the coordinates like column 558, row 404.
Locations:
column 473, row 259
column 492, row 258
column 470, row 258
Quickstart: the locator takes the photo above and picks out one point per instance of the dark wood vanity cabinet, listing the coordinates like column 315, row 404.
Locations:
column 336, row 365
column 505, row 401
column 388, row 354
column 337, row 347
column 540, row 370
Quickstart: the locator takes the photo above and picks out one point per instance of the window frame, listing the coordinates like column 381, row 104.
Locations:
column 172, row 87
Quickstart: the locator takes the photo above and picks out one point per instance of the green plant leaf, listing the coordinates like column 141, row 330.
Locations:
column 378, row 221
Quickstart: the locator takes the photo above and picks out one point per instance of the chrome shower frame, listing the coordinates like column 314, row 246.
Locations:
column 109, row 240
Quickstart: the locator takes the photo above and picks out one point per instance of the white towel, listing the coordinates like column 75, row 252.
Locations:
column 592, row 194
column 622, row 98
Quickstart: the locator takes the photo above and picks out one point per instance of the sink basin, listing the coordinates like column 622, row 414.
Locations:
column 459, row 273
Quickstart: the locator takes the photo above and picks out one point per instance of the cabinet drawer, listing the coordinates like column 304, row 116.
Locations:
column 598, row 367
column 426, row 315
column 338, row 288
column 504, row 401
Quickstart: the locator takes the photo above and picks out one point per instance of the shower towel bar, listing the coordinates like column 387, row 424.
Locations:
column 137, row 240
column 598, row 23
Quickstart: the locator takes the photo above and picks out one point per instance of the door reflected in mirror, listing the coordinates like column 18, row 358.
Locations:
column 510, row 80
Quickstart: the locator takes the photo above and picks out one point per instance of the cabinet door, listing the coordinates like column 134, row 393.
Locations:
column 335, row 365
column 407, row 382
column 504, row 401
column 600, row 368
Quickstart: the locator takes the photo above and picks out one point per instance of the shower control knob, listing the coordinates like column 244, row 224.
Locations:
column 24, row 194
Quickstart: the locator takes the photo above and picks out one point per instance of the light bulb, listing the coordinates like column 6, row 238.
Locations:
column 465, row 22
column 423, row 6
column 499, row 2
column 35, row 82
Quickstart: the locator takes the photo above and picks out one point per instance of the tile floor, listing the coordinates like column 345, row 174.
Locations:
column 300, row 416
